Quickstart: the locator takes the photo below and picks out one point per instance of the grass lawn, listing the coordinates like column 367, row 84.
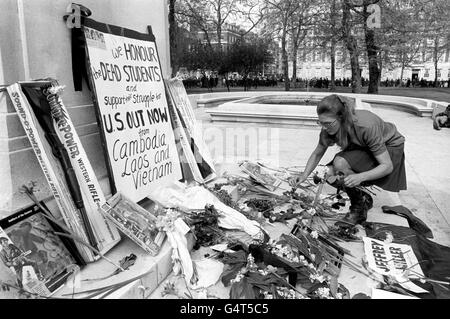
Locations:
column 438, row 94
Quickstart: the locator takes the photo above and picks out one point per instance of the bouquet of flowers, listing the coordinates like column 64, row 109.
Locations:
column 253, row 282
column 204, row 224
column 328, row 290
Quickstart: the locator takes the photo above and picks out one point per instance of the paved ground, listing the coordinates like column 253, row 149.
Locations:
column 427, row 164
column 427, row 159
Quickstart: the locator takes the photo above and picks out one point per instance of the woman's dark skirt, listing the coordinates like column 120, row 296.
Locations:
column 362, row 160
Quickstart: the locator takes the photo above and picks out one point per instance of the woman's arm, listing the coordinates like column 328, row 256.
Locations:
column 385, row 167
column 312, row 163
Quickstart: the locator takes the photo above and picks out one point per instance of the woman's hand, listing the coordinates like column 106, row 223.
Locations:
column 353, row 180
column 294, row 181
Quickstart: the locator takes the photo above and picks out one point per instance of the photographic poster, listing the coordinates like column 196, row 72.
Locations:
column 135, row 222
column 33, row 252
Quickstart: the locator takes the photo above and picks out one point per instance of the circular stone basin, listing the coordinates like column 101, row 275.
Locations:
column 283, row 100
column 292, row 108
column 283, row 107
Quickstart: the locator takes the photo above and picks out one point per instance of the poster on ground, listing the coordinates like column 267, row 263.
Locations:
column 131, row 108
column 396, row 260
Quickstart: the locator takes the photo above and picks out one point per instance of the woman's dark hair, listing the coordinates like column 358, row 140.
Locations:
column 343, row 108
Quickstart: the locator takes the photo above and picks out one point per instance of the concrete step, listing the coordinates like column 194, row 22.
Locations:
column 155, row 268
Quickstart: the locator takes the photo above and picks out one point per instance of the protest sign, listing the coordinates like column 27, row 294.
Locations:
column 131, row 108
column 396, row 260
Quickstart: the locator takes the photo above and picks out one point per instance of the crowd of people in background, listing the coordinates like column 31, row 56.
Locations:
column 414, row 83
column 213, row 80
column 247, row 82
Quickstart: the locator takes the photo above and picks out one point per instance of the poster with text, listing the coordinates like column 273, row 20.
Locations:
column 132, row 109
column 396, row 260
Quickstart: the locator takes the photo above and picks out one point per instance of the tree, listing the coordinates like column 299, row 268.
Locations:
column 202, row 57
column 403, row 37
column 210, row 16
column 419, row 22
column 334, row 28
column 437, row 25
column 173, row 36
column 301, row 21
column 246, row 58
column 404, row 53
column 351, row 44
column 278, row 23
column 195, row 15
column 331, row 31
column 372, row 47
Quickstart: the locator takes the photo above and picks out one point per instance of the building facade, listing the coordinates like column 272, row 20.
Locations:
column 315, row 62
column 230, row 34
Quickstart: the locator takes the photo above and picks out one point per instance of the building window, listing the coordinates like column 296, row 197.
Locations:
column 427, row 73
column 439, row 73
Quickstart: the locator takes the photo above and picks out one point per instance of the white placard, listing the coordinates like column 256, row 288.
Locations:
column 132, row 108
column 394, row 260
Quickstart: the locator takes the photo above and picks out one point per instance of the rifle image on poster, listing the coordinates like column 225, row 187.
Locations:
column 43, row 103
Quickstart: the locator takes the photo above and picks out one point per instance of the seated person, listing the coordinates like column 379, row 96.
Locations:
column 442, row 119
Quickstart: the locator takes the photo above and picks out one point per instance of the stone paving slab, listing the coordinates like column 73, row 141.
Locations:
column 428, row 174
column 427, row 160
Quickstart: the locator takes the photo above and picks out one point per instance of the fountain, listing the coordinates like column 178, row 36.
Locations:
column 299, row 108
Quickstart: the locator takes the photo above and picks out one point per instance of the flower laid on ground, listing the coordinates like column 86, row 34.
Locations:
column 284, row 251
column 347, row 233
column 204, row 224
column 166, row 222
column 317, row 277
column 286, row 293
column 238, row 277
column 325, row 293
column 261, row 205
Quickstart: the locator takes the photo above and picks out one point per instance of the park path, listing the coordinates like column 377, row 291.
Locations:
column 427, row 160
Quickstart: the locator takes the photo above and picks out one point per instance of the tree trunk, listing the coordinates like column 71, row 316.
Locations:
column 436, row 79
column 333, row 65
column 372, row 55
column 402, row 71
column 436, row 61
column 285, row 60
column 333, row 47
column 352, row 48
column 219, row 30
column 380, row 63
column 173, row 37
column 294, row 65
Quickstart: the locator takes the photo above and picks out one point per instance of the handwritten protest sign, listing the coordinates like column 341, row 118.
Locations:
column 396, row 260
column 132, row 110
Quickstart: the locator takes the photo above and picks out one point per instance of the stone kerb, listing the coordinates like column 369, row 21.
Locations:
column 254, row 109
column 417, row 106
